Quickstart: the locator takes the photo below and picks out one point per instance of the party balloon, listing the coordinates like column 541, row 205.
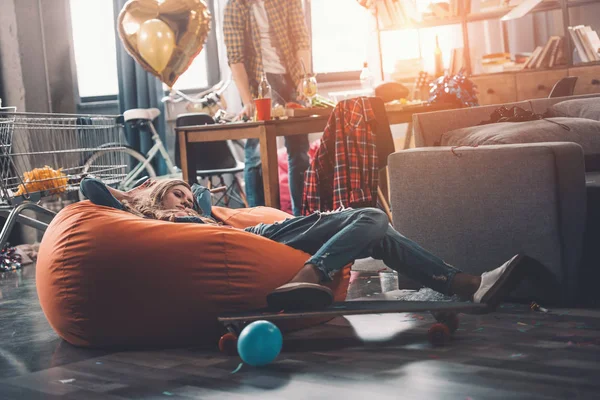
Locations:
column 188, row 21
column 156, row 43
column 259, row 343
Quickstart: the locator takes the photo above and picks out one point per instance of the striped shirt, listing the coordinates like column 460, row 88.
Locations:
column 288, row 35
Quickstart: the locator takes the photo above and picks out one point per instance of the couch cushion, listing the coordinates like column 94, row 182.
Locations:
column 579, row 108
column 582, row 131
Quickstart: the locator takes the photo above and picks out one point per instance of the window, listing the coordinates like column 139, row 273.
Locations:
column 344, row 36
column 340, row 32
column 94, row 36
column 94, row 47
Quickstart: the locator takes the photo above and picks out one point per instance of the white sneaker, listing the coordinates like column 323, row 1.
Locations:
column 498, row 283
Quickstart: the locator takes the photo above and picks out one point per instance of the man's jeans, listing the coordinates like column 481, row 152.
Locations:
column 337, row 238
column 297, row 149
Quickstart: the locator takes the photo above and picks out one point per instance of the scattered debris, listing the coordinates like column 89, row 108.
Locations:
column 536, row 307
column 238, row 368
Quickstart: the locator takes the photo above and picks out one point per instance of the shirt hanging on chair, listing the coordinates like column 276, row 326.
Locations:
column 344, row 172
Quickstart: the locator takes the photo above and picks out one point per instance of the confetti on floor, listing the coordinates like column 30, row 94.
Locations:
column 238, row 368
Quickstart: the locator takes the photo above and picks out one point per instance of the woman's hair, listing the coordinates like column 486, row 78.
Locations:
column 150, row 205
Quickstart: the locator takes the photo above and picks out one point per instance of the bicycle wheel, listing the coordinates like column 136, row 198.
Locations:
column 112, row 166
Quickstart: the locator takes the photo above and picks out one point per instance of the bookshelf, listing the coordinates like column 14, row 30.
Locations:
column 463, row 19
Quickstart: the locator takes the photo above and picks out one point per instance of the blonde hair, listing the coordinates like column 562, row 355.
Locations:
column 150, row 205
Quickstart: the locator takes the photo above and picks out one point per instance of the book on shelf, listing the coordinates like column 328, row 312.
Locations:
column 396, row 13
column 544, row 59
column 533, row 58
column 456, row 60
column 549, row 55
column 384, row 16
column 592, row 42
column 558, row 53
column 441, row 10
column 586, row 42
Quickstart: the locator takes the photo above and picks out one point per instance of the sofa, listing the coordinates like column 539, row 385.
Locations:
column 476, row 195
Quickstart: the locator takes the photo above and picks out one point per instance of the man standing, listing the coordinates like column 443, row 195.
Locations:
column 269, row 36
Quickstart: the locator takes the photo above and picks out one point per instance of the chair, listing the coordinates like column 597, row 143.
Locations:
column 564, row 87
column 214, row 160
column 385, row 147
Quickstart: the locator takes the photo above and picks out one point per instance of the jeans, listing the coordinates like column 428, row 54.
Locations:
column 283, row 90
column 337, row 238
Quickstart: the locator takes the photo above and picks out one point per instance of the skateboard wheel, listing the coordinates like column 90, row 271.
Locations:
column 449, row 319
column 228, row 344
column 439, row 334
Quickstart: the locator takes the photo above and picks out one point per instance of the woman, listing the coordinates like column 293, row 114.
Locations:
column 334, row 239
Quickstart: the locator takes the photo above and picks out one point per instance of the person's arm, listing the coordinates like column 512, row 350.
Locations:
column 102, row 195
column 300, row 34
column 240, row 77
column 233, row 34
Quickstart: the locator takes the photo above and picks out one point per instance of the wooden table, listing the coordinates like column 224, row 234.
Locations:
column 267, row 132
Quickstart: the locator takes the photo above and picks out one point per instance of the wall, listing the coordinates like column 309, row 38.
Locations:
column 37, row 71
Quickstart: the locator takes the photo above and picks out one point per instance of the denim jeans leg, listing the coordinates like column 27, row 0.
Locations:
column 336, row 239
column 253, row 174
column 408, row 258
column 298, row 161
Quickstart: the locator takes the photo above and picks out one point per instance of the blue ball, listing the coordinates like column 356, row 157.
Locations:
column 259, row 343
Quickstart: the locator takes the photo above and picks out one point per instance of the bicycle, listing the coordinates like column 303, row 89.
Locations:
column 209, row 102
column 139, row 118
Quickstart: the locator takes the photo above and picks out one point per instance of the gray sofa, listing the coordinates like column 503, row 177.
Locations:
column 476, row 206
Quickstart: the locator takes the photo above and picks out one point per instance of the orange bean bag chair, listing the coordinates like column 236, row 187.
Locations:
column 108, row 278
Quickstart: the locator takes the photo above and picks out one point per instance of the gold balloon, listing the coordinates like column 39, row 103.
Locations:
column 156, row 43
column 188, row 22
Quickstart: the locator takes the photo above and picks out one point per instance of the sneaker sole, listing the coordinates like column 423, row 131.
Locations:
column 300, row 298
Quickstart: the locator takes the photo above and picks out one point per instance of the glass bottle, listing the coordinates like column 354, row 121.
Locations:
column 264, row 89
column 439, row 62
column 366, row 77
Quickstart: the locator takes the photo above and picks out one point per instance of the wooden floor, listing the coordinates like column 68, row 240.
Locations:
column 512, row 354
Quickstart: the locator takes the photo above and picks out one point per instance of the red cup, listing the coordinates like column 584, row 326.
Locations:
column 263, row 109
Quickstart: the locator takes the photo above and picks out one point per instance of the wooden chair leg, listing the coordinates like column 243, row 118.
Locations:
column 384, row 204
column 408, row 136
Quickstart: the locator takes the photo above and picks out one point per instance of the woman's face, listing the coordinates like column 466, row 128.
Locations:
column 178, row 197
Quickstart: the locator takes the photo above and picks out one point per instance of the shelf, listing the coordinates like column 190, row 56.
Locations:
column 586, row 64
column 428, row 23
column 480, row 16
column 501, row 12
column 523, row 71
column 578, row 3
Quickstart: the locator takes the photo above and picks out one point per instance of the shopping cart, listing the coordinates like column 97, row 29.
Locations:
column 44, row 156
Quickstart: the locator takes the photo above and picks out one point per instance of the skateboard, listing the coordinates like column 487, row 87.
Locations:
column 445, row 313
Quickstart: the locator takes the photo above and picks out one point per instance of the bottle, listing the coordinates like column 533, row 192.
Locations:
column 366, row 78
column 439, row 62
column 264, row 89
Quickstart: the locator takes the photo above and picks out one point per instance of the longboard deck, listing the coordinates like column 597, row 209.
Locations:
column 356, row 308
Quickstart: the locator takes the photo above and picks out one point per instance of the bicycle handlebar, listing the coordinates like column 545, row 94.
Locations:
column 177, row 96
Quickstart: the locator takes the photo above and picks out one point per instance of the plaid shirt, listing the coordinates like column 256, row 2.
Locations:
column 345, row 170
column 288, row 35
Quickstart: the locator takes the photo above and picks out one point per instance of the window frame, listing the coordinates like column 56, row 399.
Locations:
column 213, row 73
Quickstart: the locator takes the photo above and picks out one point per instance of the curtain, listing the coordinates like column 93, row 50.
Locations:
column 139, row 89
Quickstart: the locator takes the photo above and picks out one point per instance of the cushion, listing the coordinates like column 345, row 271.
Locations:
column 579, row 108
column 584, row 132
column 108, row 278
